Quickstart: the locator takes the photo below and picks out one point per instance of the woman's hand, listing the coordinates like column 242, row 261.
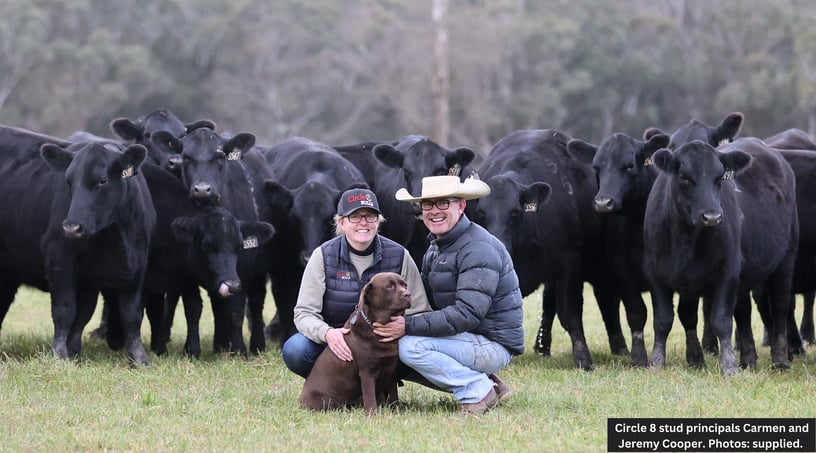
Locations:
column 336, row 340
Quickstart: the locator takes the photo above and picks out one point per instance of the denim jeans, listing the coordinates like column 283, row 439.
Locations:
column 458, row 364
column 300, row 353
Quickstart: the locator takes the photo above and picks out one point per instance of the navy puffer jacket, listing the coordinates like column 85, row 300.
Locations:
column 472, row 287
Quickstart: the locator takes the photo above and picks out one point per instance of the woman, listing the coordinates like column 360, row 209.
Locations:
column 336, row 273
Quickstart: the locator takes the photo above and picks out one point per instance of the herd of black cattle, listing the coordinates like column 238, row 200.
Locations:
column 169, row 208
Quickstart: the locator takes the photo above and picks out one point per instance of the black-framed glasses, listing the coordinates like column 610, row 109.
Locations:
column 427, row 205
column 356, row 217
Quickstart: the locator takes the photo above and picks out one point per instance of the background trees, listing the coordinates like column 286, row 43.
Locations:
column 344, row 71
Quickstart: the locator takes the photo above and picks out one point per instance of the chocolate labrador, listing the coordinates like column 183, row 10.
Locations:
column 371, row 376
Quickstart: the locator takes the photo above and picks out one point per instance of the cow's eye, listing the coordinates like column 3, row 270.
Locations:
column 631, row 168
column 686, row 181
column 103, row 181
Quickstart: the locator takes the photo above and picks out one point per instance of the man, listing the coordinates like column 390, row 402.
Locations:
column 476, row 323
column 336, row 273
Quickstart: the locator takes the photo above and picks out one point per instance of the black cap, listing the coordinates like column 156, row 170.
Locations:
column 354, row 199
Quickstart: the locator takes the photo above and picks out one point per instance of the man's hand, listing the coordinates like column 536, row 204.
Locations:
column 394, row 330
column 337, row 343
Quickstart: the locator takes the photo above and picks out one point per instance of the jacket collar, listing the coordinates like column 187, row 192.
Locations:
column 459, row 229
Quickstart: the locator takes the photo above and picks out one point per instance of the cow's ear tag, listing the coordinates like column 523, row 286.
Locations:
column 530, row 207
column 128, row 172
column 234, row 155
column 455, row 170
column 250, row 243
column 728, row 175
column 724, row 141
column 648, row 161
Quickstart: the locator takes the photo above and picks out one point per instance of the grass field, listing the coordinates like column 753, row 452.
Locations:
column 222, row 403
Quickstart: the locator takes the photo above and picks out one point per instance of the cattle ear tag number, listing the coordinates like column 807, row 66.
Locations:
column 455, row 170
column 250, row 243
column 648, row 161
column 724, row 141
column 530, row 207
column 128, row 172
column 728, row 175
column 234, row 155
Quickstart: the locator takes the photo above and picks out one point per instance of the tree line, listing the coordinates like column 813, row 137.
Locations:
column 347, row 71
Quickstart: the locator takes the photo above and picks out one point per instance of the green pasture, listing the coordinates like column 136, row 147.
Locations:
column 223, row 403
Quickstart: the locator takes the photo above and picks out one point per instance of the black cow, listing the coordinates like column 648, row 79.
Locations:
column 302, row 202
column 404, row 165
column 789, row 139
column 82, row 223
column 625, row 177
column 226, row 171
column 539, row 207
column 140, row 130
column 720, row 223
column 193, row 245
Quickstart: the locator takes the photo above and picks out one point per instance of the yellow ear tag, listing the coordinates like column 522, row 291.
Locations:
column 234, row 155
column 530, row 207
column 455, row 170
column 128, row 172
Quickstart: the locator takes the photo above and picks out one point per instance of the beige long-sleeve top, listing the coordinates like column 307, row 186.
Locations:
column 308, row 319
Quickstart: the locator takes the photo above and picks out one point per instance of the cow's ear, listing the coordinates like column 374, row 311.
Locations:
column 534, row 195
column 127, row 129
column 166, row 142
column 735, row 161
column 651, row 132
column 388, row 155
column 656, row 142
column 256, row 233
column 278, row 196
column 664, row 160
column 581, row 150
column 183, row 229
column 240, row 144
column 460, row 156
column 728, row 128
column 200, row 124
column 56, row 157
column 131, row 159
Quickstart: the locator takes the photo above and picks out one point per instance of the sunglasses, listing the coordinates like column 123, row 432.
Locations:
column 442, row 205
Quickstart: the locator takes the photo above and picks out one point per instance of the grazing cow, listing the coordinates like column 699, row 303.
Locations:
column 720, row 223
column 140, row 130
column 82, row 223
column 302, row 203
column 390, row 166
column 625, row 178
column 227, row 172
column 539, row 207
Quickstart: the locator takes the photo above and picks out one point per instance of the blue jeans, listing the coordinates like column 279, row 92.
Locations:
column 458, row 364
column 300, row 353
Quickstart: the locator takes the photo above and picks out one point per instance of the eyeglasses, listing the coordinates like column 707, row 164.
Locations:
column 442, row 205
column 370, row 217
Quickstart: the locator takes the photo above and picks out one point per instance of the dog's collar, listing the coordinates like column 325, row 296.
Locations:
column 362, row 313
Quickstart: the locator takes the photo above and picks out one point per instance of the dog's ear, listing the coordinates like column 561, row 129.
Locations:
column 365, row 295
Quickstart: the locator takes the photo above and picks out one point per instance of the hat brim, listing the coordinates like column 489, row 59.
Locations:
column 470, row 189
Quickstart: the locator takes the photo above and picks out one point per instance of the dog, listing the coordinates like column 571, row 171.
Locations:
column 371, row 377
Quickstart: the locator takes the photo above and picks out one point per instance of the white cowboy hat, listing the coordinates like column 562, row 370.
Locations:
column 446, row 187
